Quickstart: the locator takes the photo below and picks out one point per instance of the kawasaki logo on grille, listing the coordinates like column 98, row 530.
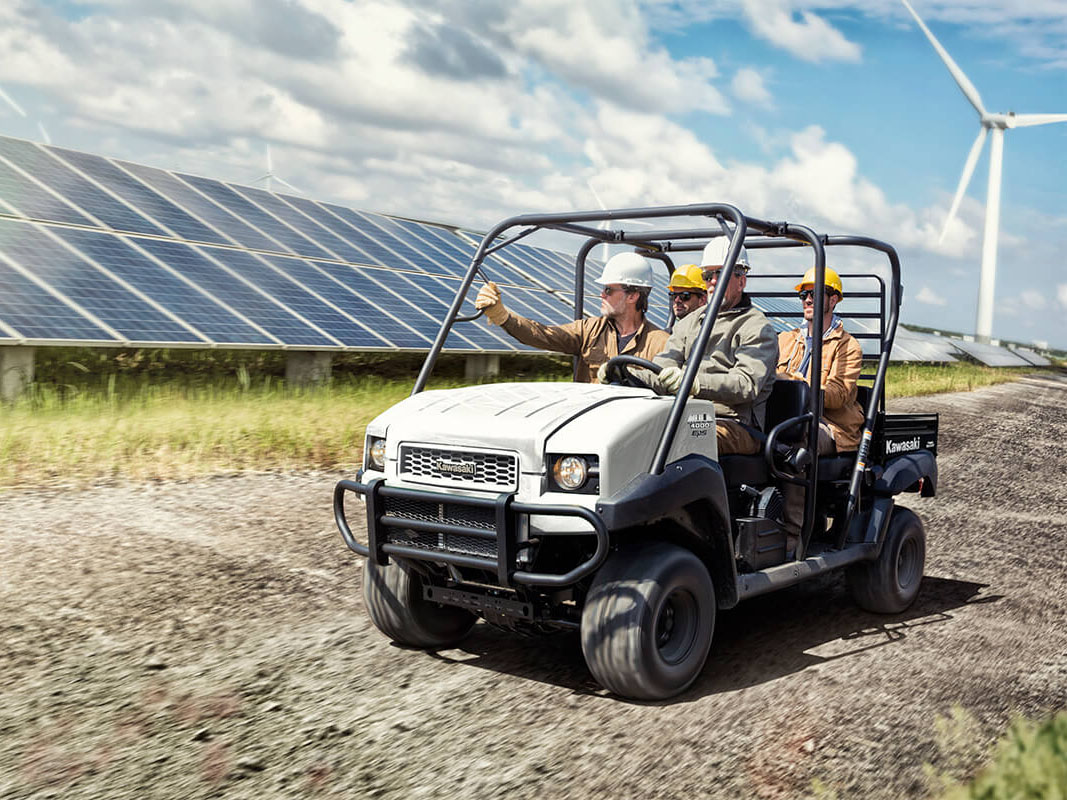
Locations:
column 454, row 467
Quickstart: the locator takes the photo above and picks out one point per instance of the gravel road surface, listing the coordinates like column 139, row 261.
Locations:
column 207, row 639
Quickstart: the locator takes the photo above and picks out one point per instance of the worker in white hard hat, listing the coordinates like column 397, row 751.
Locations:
column 622, row 328
column 686, row 290
column 841, row 425
column 737, row 370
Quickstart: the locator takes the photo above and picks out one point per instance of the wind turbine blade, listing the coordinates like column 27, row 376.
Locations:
column 263, row 178
column 44, row 133
column 1026, row 120
column 957, row 74
column 284, row 182
column 270, row 165
column 596, row 195
column 965, row 178
column 7, row 99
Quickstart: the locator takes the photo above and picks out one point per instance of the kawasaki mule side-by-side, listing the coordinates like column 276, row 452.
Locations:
column 606, row 508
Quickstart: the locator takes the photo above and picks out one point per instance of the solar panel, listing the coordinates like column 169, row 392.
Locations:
column 363, row 235
column 163, row 211
column 212, row 213
column 323, row 237
column 990, row 355
column 255, row 216
column 36, row 314
column 268, row 313
column 74, row 188
column 1036, row 359
column 339, row 227
column 411, row 250
column 28, row 198
column 133, row 318
column 381, row 328
column 205, row 314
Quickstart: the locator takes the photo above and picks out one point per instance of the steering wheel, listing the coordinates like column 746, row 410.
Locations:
column 619, row 374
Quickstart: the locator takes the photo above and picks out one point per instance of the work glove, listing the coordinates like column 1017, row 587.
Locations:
column 669, row 381
column 489, row 299
column 602, row 373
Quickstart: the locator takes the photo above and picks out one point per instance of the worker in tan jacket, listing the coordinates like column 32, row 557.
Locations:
column 842, row 359
column 622, row 328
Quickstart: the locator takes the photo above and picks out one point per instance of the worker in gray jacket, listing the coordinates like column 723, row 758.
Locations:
column 740, row 360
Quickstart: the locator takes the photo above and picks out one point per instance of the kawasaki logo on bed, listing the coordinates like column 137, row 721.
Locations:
column 454, row 467
column 903, row 446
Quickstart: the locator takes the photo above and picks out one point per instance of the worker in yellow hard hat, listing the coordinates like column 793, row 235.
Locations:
column 686, row 290
column 842, row 359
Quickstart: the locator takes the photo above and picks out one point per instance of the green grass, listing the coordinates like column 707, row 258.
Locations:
column 96, row 415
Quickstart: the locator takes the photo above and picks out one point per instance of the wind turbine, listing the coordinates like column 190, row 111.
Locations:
column 270, row 177
column 18, row 110
column 606, row 224
column 997, row 124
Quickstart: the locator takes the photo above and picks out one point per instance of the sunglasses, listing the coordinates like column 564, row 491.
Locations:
column 686, row 296
column 608, row 291
column 806, row 293
column 710, row 275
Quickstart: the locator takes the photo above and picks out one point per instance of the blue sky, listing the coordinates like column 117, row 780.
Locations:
column 838, row 115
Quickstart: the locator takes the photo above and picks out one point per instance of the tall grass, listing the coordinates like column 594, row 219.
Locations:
column 99, row 415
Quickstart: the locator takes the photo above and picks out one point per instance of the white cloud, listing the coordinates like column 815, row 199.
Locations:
column 930, row 297
column 748, row 86
column 1061, row 294
column 808, row 37
column 1032, row 299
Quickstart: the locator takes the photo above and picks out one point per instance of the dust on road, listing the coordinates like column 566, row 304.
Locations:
column 207, row 639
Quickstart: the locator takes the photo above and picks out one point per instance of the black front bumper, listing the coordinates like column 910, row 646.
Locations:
column 498, row 529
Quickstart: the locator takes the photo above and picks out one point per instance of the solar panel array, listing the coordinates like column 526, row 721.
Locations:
column 98, row 251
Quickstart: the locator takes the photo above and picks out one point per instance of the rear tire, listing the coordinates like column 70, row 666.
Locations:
column 393, row 597
column 648, row 621
column 890, row 583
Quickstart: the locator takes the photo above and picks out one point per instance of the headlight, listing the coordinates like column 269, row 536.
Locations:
column 570, row 472
column 376, row 452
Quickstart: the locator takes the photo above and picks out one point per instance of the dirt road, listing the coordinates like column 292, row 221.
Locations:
column 208, row 639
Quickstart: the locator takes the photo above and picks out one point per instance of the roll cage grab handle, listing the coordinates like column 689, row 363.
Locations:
column 787, row 236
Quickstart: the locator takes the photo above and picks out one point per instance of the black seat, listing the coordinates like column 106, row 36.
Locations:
column 788, row 399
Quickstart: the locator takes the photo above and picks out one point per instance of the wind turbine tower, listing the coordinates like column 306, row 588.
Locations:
column 995, row 124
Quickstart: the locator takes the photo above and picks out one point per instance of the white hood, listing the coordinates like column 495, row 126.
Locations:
column 508, row 416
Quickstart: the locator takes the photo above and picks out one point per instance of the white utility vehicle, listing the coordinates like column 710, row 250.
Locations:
column 606, row 509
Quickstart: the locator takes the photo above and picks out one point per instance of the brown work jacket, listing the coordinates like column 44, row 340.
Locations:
column 842, row 360
column 594, row 340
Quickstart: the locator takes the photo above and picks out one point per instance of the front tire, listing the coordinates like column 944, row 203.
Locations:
column 890, row 583
column 393, row 598
column 648, row 621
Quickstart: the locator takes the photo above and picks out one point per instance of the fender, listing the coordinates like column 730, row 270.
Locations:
column 903, row 472
column 689, row 499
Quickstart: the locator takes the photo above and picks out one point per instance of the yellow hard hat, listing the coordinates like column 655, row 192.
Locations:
column 685, row 277
column 832, row 279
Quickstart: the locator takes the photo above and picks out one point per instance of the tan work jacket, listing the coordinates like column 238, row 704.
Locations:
column 594, row 339
column 737, row 371
column 842, row 360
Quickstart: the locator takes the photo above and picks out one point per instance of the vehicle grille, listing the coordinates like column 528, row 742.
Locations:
column 451, row 513
column 451, row 542
column 494, row 471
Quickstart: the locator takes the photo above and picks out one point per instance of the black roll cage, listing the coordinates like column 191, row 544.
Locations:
column 752, row 233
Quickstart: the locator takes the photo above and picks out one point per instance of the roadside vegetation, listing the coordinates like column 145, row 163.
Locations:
column 100, row 415
column 1029, row 762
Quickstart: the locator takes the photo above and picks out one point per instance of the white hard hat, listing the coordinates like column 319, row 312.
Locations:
column 715, row 254
column 629, row 269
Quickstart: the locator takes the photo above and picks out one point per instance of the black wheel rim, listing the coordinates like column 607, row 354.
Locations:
column 676, row 626
column 909, row 568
